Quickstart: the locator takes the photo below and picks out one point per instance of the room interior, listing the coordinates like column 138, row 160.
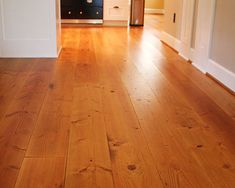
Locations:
column 92, row 95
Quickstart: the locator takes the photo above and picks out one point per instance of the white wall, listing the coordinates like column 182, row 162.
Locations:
column 213, row 32
column 223, row 38
column 1, row 35
column 170, row 27
column 58, row 27
column 195, row 11
column 154, row 6
column 214, row 40
column 172, row 31
column 28, row 28
column 222, row 57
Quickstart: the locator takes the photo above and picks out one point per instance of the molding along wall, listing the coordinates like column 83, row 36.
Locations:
column 222, row 74
column 171, row 41
column 187, row 28
column 205, row 27
column 172, row 23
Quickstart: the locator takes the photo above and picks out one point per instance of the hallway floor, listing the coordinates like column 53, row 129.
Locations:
column 117, row 109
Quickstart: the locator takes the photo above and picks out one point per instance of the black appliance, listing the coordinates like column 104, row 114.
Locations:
column 82, row 11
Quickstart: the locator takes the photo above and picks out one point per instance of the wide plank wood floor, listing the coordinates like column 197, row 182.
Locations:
column 117, row 109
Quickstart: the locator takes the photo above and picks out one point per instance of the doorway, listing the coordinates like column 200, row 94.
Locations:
column 154, row 6
column 203, row 20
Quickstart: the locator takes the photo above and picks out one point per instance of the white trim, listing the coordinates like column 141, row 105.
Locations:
column 186, row 28
column 183, row 56
column 1, row 27
column 154, row 11
column 59, row 50
column 191, row 54
column 205, row 21
column 222, row 74
column 199, row 67
column 171, row 41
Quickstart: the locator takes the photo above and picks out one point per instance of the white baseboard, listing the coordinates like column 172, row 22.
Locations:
column 191, row 54
column 59, row 50
column 198, row 61
column 184, row 57
column 199, row 67
column 154, row 11
column 222, row 74
column 171, row 41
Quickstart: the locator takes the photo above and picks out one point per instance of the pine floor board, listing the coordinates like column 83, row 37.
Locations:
column 117, row 109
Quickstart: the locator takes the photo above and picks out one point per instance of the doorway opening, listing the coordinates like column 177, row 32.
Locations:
column 154, row 7
column 154, row 13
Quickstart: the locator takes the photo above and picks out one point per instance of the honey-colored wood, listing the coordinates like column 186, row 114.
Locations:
column 179, row 117
column 12, row 76
column 19, row 121
column 51, row 135
column 42, row 172
column 221, row 84
column 88, row 163
column 118, row 108
column 129, row 151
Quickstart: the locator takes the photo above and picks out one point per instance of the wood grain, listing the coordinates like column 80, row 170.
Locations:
column 41, row 172
column 19, row 121
column 118, row 108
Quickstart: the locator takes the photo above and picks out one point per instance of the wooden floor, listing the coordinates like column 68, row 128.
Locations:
column 117, row 109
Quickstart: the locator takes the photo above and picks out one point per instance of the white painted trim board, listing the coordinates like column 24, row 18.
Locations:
column 171, row 41
column 222, row 74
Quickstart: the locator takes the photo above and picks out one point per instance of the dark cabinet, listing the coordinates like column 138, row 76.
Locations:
column 65, row 3
column 90, row 13
column 91, row 3
column 82, row 9
column 68, row 13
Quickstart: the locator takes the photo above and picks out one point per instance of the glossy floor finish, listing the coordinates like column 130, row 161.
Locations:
column 117, row 109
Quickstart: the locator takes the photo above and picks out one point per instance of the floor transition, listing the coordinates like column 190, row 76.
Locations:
column 117, row 109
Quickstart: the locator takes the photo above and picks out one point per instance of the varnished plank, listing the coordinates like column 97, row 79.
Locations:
column 165, row 57
column 18, row 123
column 169, row 169
column 117, row 109
column 13, row 74
column 189, row 120
column 88, row 157
column 51, row 135
column 192, row 91
column 131, row 160
column 41, row 172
